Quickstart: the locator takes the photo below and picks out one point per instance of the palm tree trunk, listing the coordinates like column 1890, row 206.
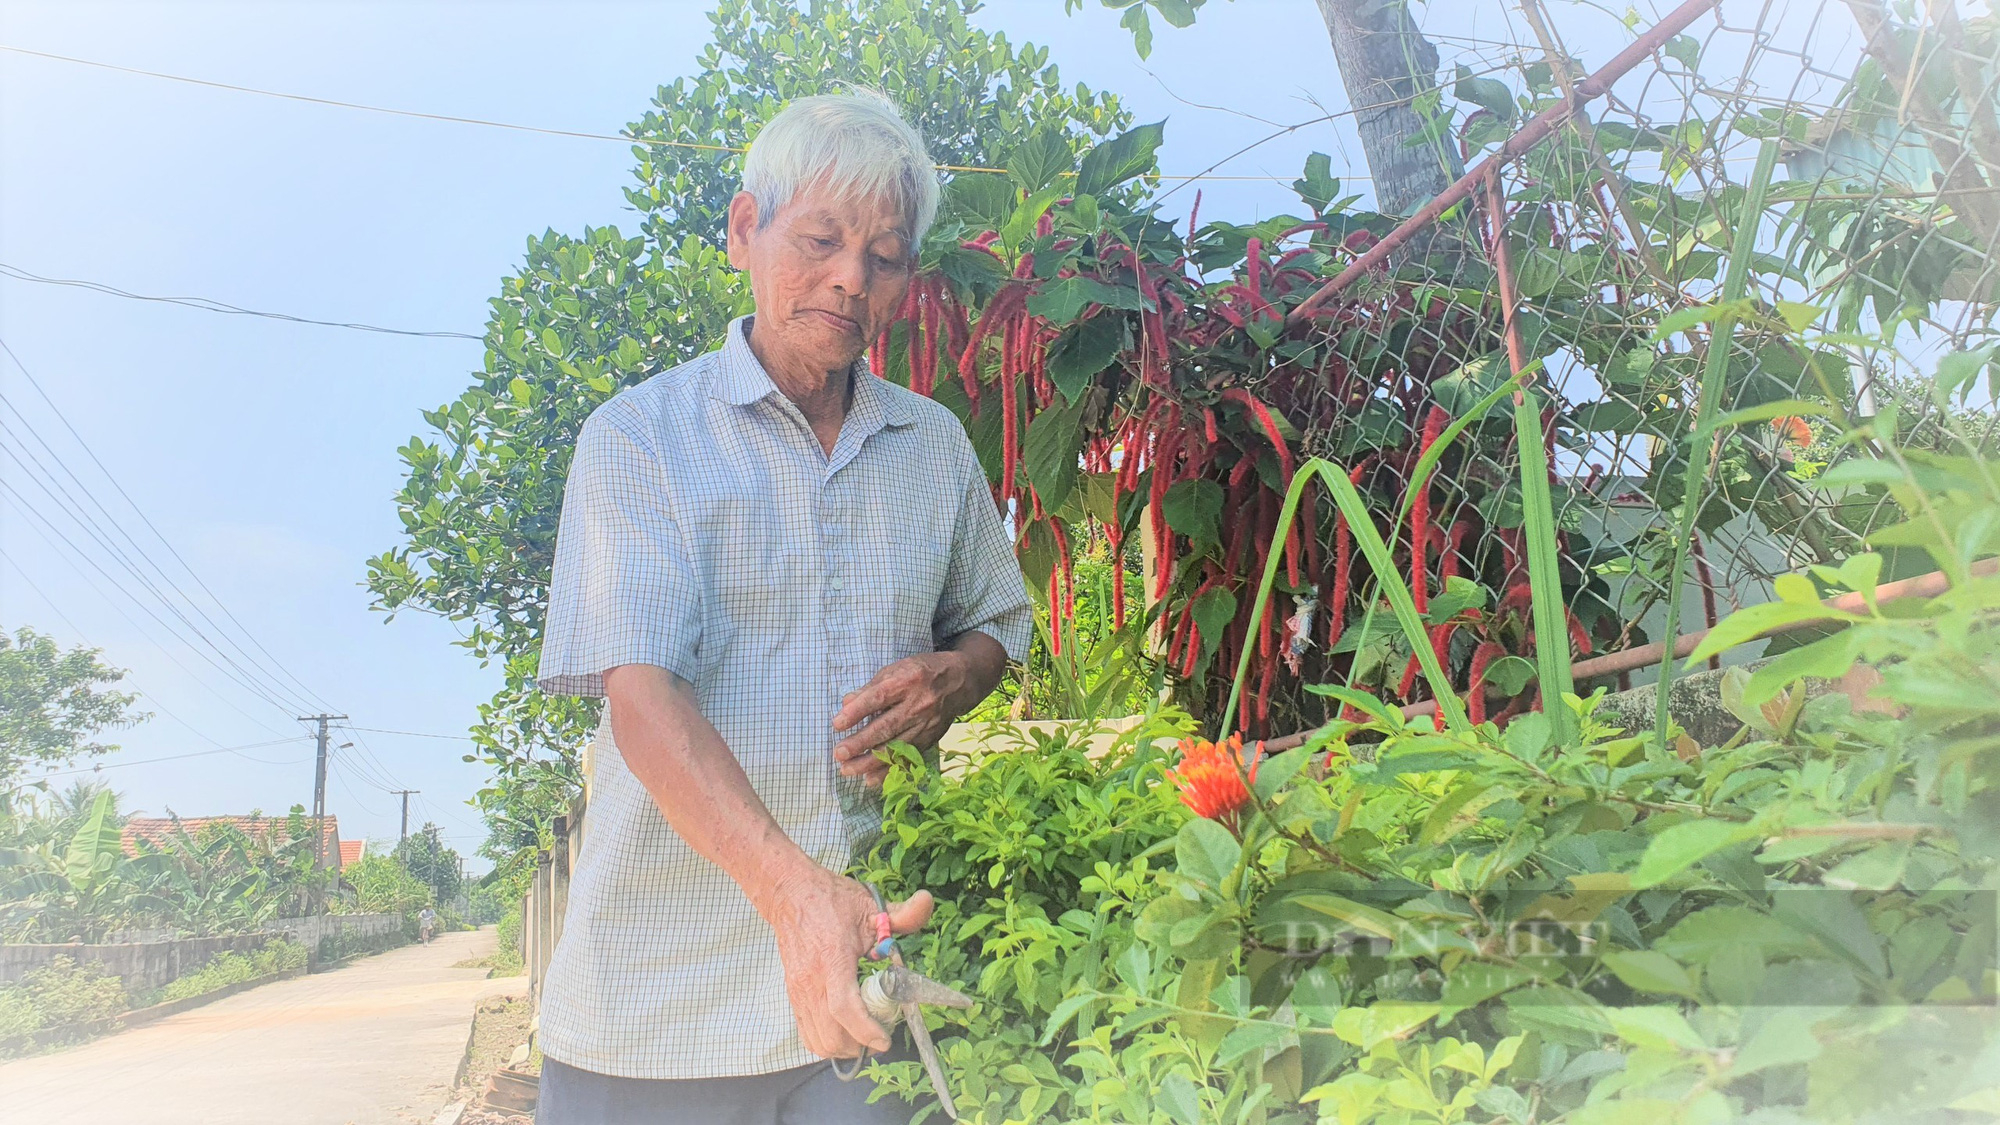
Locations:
column 1385, row 62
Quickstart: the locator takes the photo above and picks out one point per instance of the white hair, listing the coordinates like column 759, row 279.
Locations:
column 854, row 145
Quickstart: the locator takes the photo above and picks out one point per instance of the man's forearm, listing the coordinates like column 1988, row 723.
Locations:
column 677, row 754
column 985, row 663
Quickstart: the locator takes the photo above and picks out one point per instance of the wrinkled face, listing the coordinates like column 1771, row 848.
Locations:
column 827, row 274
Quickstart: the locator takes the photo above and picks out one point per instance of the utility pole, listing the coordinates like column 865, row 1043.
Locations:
column 319, row 787
column 406, row 812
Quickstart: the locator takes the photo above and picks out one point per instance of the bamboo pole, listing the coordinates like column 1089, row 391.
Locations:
column 1627, row 660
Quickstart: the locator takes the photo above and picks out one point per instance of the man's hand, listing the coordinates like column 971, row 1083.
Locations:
column 826, row 923
column 915, row 700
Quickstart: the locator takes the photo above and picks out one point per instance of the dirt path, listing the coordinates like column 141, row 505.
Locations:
column 375, row 1042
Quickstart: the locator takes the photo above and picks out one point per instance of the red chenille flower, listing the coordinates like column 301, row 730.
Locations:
column 1208, row 778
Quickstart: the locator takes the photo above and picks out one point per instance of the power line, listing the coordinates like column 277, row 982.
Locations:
column 236, row 750
column 77, row 630
column 150, row 526
column 68, row 505
column 387, row 782
column 7, row 492
column 209, row 304
column 413, row 733
column 337, row 104
column 621, row 138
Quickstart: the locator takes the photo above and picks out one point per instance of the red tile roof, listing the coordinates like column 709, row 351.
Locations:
column 350, row 852
column 157, row 830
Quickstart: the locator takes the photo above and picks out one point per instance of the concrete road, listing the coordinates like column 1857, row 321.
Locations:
column 375, row 1042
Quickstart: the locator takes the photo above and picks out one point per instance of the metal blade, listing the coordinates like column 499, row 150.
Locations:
column 907, row 986
column 927, row 1051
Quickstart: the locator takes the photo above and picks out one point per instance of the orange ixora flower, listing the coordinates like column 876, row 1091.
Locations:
column 1793, row 429
column 1209, row 781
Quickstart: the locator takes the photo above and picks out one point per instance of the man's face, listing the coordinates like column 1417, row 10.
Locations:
column 827, row 274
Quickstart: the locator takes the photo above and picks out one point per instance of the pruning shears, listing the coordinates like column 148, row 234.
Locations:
column 898, row 992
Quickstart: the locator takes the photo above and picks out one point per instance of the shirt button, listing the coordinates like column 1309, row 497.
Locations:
column 836, row 582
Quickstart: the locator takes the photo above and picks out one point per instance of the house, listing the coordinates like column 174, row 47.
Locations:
column 351, row 852
column 157, row 830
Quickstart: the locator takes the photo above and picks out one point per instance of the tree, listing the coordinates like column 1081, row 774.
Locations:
column 587, row 315
column 51, row 706
column 1389, row 71
column 382, row 885
column 431, row 863
column 1387, row 67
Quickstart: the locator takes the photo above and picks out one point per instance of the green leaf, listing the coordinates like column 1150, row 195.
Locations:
column 1275, row 771
column 1135, row 968
column 521, row 391
column 1142, row 29
column 1206, row 852
column 1654, row 1027
column 1684, row 845
column 95, row 846
column 1958, row 371
column 1751, row 622
column 1179, row 1098
column 1475, row 982
column 1511, row 674
column 1063, row 300
column 1131, row 153
column 1829, row 658
column 1797, row 314
column 1651, row 971
column 1489, row 94
column 1050, row 452
column 1318, row 187
column 1680, row 320
column 1318, row 996
column 1389, row 1019
column 981, row 198
column 1877, row 869
column 1064, row 1012
column 1777, row 408
column 1248, row 1039
column 1861, row 470
column 1702, row 936
column 1784, row 1038
column 1038, row 161
column 1213, row 612
column 1686, row 49
column 1084, row 349
column 1362, row 701
column 1194, row 509
column 1020, row 226
column 1180, row 13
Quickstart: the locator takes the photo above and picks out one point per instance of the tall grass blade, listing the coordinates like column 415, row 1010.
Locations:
column 1361, row 525
column 1545, row 596
column 1714, row 379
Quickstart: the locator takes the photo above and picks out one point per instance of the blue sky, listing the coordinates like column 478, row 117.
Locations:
column 265, row 452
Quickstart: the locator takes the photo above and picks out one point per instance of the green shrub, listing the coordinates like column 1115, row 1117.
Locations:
column 17, row 1013
column 508, row 930
column 382, row 885
column 59, row 995
column 506, row 959
column 1403, row 921
column 227, row 968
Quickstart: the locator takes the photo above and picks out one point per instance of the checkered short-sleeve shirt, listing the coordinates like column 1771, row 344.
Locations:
column 705, row 531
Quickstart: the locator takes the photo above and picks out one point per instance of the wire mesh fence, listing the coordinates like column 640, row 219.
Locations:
column 1712, row 259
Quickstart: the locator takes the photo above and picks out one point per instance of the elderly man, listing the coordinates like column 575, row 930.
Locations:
column 770, row 564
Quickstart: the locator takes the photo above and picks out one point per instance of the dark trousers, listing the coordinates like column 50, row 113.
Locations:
column 806, row 1095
